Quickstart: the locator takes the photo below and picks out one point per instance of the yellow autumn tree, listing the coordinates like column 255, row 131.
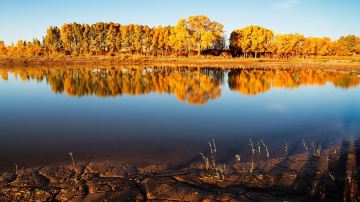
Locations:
column 195, row 34
column 203, row 32
column 251, row 40
column 111, row 37
column 288, row 45
column 3, row 50
column 33, row 48
column 180, row 38
column 52, row 41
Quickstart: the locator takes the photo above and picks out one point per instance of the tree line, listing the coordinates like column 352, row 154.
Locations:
column 194, row 35
column 256, row 41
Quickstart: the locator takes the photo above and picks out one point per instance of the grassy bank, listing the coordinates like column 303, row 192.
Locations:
column 320, row 62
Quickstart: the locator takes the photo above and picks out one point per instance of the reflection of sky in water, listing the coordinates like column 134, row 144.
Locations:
column 39, row 126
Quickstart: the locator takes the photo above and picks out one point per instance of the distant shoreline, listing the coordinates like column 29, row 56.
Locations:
column 341, row 63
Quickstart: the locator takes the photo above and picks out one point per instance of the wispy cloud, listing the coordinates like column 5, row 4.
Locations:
column 286, row 4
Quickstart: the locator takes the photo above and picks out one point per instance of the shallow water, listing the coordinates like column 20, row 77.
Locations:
column 146, row 115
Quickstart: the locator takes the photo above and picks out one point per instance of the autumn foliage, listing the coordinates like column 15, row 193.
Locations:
column 256, row 41
column 192, row 36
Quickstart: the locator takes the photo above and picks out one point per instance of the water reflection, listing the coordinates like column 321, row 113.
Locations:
column 191, row 85
column 37, row 127
column 255, row 81
column 195, row 86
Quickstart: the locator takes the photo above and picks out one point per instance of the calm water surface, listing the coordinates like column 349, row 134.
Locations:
column 145, row 115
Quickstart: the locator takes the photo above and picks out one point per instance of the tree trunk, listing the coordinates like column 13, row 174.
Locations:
column 199, row 49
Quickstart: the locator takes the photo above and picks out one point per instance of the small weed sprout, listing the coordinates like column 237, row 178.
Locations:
column 318, row 151
column 252, row 156
column 252, row 147
column 266, row 148
column 304, row 145
column 72, row 160
column 312, row 147
column 252, row 165
column 238, row 158
column 213, row 152
column 16, row 169
column 206, row 161
column 286, row 149
column 237, row 161
column 216, row 171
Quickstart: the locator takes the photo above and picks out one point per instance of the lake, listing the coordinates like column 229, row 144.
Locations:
column 146, row 115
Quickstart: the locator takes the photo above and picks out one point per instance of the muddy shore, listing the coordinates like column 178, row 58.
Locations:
column 332, row 176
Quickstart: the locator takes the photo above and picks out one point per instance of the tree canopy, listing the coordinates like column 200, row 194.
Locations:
column 252, row 39
column 258, row 41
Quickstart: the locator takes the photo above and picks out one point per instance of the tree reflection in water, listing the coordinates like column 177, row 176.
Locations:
column 256, row 81
column 190, row 85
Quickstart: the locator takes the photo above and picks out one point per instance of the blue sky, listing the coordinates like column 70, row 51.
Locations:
column 25, row 19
